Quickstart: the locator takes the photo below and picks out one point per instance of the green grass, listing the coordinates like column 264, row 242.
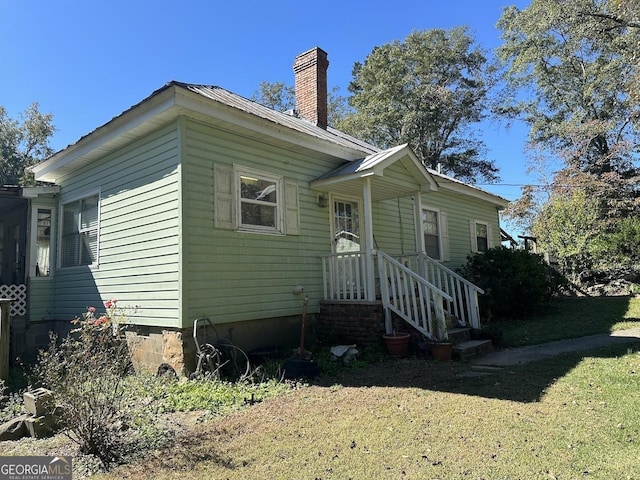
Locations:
column 573, row 317
column 573, row 416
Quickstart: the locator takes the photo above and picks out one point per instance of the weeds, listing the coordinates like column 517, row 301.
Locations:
column 88, row 372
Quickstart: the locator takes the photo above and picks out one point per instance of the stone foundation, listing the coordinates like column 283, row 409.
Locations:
column 151, row 347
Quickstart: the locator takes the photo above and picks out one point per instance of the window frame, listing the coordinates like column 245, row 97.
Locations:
column 33, row 253
column 440, row 257
column 475, row 236
column 61, row 232
column 279, row 204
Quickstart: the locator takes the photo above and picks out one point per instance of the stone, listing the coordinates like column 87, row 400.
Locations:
column 173, row 351
column 14, row 429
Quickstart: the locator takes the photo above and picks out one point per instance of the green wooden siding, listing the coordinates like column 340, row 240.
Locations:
column 460, row 210
column 41, row 299
column 160, row 249
column 139, row 232
column 236, row 276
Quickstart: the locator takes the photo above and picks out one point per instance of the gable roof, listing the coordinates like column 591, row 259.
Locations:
column 205, row 102
column 346, row 179
column 445, row 182
column 234, row 112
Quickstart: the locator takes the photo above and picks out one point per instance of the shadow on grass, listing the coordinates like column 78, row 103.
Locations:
column 520, row 383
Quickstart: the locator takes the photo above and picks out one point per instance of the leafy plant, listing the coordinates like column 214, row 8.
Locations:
column 516, row 282
column 88, row 371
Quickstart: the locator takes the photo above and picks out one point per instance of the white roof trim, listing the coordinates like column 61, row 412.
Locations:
column 375, row 164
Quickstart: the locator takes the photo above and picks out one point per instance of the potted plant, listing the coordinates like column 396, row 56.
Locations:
column 441, row 347
column 397, row 343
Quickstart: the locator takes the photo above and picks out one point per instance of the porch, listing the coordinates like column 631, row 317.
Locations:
column 412, row 288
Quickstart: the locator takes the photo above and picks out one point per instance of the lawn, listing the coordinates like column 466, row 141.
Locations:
column 574, row 416
column 573, row 317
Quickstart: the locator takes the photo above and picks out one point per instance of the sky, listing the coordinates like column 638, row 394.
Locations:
column 86, row 61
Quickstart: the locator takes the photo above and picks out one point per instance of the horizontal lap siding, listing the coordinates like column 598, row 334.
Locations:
column 460, row 210
column 393, row 220
column 233, row 276
column 139, row 233
column 41, row 299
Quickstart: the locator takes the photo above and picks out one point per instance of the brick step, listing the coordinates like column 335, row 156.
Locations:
column 469, row 349
column 459, row 334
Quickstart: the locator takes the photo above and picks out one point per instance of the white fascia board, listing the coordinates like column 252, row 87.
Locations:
column 34, row 192
column 138, row 115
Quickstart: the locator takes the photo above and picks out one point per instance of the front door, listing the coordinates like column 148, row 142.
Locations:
column 346, row 226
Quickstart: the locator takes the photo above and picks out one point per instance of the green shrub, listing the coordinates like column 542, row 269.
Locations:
column 516, row 282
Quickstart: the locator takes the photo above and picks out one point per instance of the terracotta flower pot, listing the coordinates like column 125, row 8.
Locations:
column 397, row 344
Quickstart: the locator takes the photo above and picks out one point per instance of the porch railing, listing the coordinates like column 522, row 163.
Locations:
column 411, row 296
column 464, row 306
column 344, row 276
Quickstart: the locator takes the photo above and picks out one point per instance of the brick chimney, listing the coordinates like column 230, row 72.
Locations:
column 310, row 70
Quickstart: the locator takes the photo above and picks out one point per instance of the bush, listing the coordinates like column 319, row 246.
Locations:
column 88, row 373
column 516, row 282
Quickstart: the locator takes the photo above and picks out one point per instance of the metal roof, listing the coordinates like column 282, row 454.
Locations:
column 165, row 103
column 290, row 120
column 347, row 179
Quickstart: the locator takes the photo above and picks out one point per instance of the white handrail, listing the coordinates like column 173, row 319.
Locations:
column 413, row 286
column 410, row 296
column 464, row 307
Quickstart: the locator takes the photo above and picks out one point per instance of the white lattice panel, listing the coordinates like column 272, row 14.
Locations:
column 18, row 293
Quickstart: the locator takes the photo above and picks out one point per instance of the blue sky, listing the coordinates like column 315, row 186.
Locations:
column 86, row 61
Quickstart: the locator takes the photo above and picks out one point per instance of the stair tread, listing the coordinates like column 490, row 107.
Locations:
column 471, row 343
column 458, row 329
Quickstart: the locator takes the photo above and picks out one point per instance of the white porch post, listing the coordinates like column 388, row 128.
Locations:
column 368, row 232
column 417, row 205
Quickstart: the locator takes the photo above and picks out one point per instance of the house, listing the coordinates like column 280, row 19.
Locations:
column 197, row 202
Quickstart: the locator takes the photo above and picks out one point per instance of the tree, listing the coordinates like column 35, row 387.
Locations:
column 427, row 91
column 568, row 74
column 571, row 69
column 23, row 144
column 282, row 97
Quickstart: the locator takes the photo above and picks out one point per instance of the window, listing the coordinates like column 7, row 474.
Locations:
column 259, row 206
column 80, row 220
column 42, row 267
column 481, row 237
column 431, row 229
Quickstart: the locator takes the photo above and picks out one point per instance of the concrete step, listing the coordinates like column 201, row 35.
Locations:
column 469, row 349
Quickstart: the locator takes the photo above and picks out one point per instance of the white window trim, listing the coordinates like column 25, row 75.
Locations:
column 72, row 199
column 33, row 248
column 474, row 235
column 440, row 237
column 280, row 206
